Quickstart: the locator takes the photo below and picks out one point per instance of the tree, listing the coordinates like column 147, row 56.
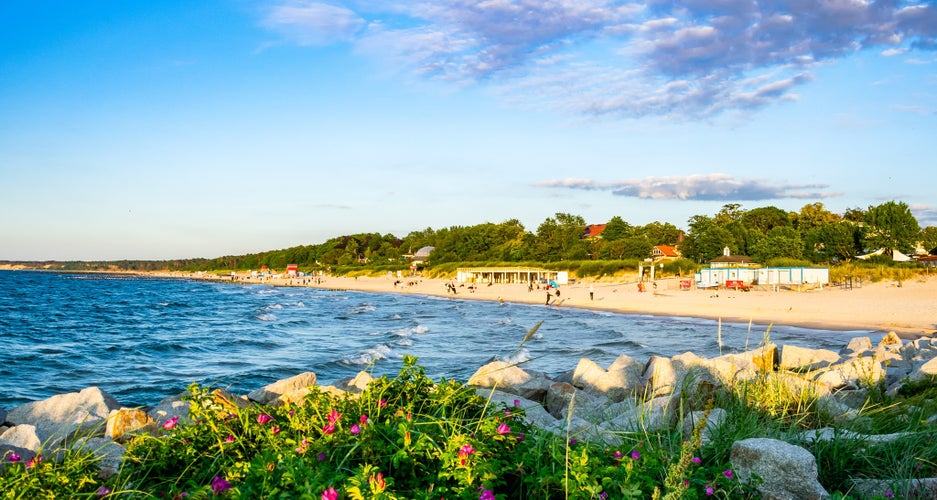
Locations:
column 891, row 226
column 616, row 229
column 929, row 238
column 659, row 234
column 831, row 242
column 559, row 237
column 765, row 218
column 812, row 216
column 781, row 241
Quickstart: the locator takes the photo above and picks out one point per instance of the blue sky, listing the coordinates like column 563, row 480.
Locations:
column 175, row 129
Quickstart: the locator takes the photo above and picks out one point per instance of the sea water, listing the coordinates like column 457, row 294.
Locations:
column 142, row 339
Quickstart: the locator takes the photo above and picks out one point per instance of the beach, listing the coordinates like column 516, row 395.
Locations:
column 908, row 308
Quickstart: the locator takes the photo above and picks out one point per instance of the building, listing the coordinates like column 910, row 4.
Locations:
column 593, row 231
column 729, row 260
column 292, row 270
column 665, row 252
column 522, row 275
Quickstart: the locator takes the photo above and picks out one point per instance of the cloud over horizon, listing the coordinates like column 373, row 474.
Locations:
column 683, row 59
column 707, row 187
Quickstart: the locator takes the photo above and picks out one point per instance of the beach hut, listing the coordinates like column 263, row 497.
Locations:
column 292, row 270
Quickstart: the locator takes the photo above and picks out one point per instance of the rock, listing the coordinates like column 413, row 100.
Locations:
column 125, row 422
column 852, row 374
column 509, row 378
column 788, row 472
column 891, row 338
column 559, row 396
column 67, row 415
column 899, row 488
column 109, row 454
column 856, row 346
column 826, row 434
column 356, row 384
column 926, row 371
column 659, row 376
column 621, row 378
column 804, row 359
column 535, row 414
column 229, row 401
column 652, row 415
column 288, row 390
column 3, row 415
column 172, row 406
column 22, row 440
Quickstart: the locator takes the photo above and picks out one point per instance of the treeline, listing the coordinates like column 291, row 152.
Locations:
column 766, row 234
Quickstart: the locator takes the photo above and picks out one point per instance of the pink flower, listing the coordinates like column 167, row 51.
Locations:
column 377, row 482
column 487, row 495
column 220, row 485
column 330, row 494
column 889, row 494
column 635, row 454
column 382, row 403
column 171, row 423
column 517, row 402
column 275, row 429
column 464, row 452
column 355, row 429
column 363, row 420
column 504, row 429
column 229, row 439
column 328, row 428
column 103, row 491
column 334, row 416
column 727, row 473
column 263, row 418
column 617, row 454
column 709, row 490
column 13, row 457
column 520, row 436
column 302, row 446
column 34, row 461
column 321, row 457
column 696, row 460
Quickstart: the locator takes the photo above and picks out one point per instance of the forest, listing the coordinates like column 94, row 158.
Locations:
column 769, row 235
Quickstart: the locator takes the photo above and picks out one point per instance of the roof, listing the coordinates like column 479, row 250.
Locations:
column 666, row 251
column 733, row 259
column 424, row 252
column 593, row 230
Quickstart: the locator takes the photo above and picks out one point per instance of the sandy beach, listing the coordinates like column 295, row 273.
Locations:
column 910, row 309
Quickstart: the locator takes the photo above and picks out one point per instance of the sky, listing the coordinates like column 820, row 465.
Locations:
column 179, row 129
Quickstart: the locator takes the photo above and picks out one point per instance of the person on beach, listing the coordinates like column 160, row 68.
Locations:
column 591, row 292
column 548, row 298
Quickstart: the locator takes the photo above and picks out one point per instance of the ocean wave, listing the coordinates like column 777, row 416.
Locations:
column 520, row 356
column 266, row 317
column 273, row 307
column 368, row 356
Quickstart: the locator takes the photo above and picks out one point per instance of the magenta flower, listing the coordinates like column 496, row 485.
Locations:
column 517, row 402
column 275, row 429
column 504, row 429
column 635, row 454
column 171, row 423
column 603, row 495
column 727, row 473
column 520, row 436
column 321, row 457
column 464, row 452
column 696, row 460
column 334, row 416
column 382, row 403
column 103, row 491
column 709, row 490
column 229, row 439
column 13, row 457
column 330, row 494
column 487, row 495
column 220, row 485
column 572, row 442
column 355, row 429
column 263, row 418
column 328, row 428
column 617, row 454
column 889, row 494
column 363, row 420
column 34, row 461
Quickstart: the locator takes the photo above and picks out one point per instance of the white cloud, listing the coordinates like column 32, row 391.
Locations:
column 314, row 23
column 697, row 187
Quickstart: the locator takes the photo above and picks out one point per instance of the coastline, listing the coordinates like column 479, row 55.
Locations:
column 909, row 309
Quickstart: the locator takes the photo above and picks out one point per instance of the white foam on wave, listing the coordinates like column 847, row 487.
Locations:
column 405, row 342
column 518, row 357
column 420, row 329
column 266, row 317
column 273, row 307
column 368, row 356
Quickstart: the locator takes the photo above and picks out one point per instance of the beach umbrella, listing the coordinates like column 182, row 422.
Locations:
column 553, row 284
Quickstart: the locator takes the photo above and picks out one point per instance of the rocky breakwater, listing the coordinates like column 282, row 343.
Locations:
column 588, row 403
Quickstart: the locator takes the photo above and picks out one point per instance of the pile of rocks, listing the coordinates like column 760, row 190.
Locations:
column 590, row 402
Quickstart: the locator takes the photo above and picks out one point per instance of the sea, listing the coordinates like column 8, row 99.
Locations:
column 142, row 339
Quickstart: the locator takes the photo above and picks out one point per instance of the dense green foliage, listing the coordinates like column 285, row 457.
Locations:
column 814, row 234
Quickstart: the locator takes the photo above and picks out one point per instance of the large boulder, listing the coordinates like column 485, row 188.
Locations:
column 534, row 413
column 895, row 488
column 650, row 416
column 714, row 419
column 288, row 390
column 127, row 422
column 852, row 374
column 787, row 472
column 561, row 395
column 857, row 346
column 20, row 439
column 509, row 378
column 660, row 376
column 170, row 407
column 109, row 454
column 621, row 378
column 803, row 359
column 925, row 371
column 356, row 384
column 67, row 415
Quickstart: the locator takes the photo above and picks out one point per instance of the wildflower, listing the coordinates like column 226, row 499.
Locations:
column 465, row 452
column 363, row 420
column 302, row 446
column 321, row 457
column 696, row 460
column 507, row 412
column 229, row 439
column 377, row 482
column 520, row 436
column 263, row 418
column 727, row 473
column 355, row 429
column 13, row 457
column 292, row 413
column 889, row 494
column 171, row 423
column 103, row 491
column 635, row 454
column 617, row 454
column 709, row 490
column 330, row 494
column 328, row 428
column 487, row 495
column 572, row 442
column 275, row 429
column 503, row 429
column 34, row 461
column 517, row 402
column 334, row 416
column 603, row 495
column 219, row 485
column 382, row 403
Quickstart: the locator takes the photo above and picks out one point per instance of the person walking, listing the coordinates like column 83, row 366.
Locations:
column 591, row 292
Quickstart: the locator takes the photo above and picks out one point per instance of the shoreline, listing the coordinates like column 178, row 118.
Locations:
column 909, row 309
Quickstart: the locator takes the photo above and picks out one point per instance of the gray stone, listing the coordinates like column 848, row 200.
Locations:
column 899, row 488
column 509, row 378
column 109, row 454
column 67, row 415
column 172, row 406
column 653, row 415
column 621, row 378
column 534, row 413
column 857, row 346
column 127, row 422
column 787, row 472
column 715, row 418
column 804, row 359
column 22, row 436
column 925, row 371
column 826, row 434
column 356, row 384
column 3, row 416
column 852, row 374
column 659, row 377
column 289, row 390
